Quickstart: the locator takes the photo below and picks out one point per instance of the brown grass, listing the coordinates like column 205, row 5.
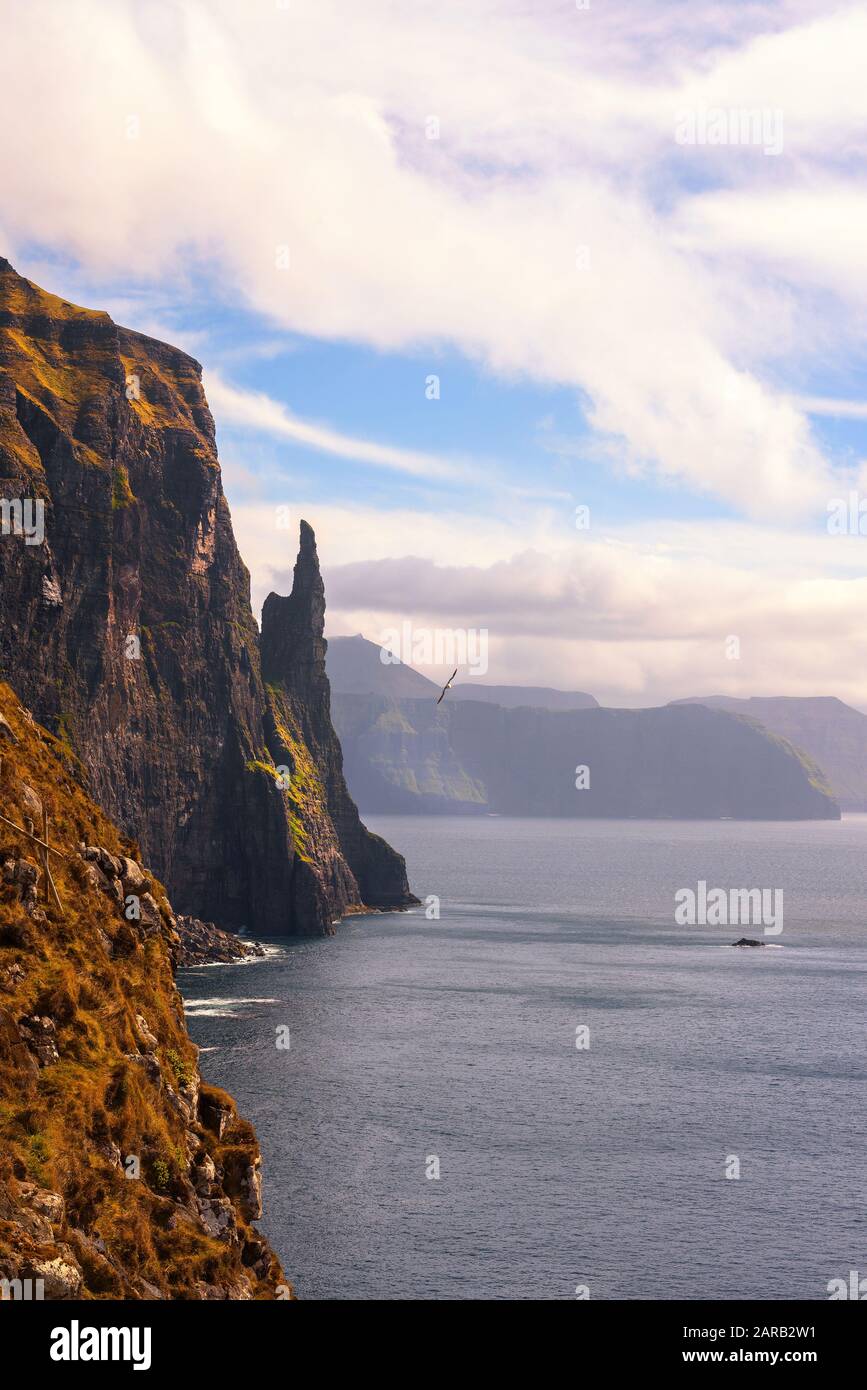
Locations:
column 51, row 1125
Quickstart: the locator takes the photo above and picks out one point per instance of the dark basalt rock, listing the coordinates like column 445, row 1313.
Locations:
column 130, row 635
column 201, row 943
column 299, row 712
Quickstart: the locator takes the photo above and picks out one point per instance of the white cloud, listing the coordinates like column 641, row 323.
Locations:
column 812, row 235
column 813, row 72
column 555, row 232
column 629, row 624
column 840, row 410
column 256, row 411
column 638, row 616
column 304, row 127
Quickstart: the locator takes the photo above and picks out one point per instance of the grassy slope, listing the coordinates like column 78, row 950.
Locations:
column 57, row 1123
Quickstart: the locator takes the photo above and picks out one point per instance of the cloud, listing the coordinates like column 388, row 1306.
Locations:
column 539, row 234
column 253, row 410
column 604, row 590
column 554, row 233
column 638, row 616
column 770, row 69
column 812, row 234
column 350, row 534
column 840, row 410
column 629, row 622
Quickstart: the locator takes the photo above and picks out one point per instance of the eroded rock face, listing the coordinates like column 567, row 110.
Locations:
column 354, row 862
column 468, row 757
column 40, row 1035
column 202, row 943
column 250, row 1193
column 32, row 805
column 61, row 1274
column 129, row 631
column 215, row 1115
column 25, row 875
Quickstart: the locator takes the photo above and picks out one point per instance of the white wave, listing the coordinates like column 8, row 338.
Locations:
column 234, row 999
column 220, row 1007
column 212, row 1013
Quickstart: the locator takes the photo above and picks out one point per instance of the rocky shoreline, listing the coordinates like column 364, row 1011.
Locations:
column 203, row 943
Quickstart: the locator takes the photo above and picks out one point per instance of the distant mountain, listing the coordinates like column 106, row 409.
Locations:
column 470, row 757
column 355, row 667
column 536, row 696
column 831, row 732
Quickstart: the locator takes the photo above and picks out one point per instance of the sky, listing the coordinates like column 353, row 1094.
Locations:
column 549, row 317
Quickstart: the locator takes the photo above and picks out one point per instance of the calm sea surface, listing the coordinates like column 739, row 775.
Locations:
column 559, row 1167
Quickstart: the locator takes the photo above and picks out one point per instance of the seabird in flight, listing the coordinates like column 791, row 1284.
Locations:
column 448, row 684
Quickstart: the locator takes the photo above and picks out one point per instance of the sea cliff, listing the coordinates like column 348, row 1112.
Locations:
column 129, row 633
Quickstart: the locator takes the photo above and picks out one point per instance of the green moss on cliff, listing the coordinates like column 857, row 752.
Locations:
column 296, row 789
column 307, row 795
column 121, row 493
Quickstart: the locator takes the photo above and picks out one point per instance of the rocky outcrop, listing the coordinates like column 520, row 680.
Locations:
column 202, row 943
column 128, row 628
column 122, row 1174
column 300, row 735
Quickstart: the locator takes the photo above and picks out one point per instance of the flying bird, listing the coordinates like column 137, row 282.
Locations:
column 448, row 684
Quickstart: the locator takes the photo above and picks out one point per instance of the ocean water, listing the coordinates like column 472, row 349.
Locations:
column 602, row 1167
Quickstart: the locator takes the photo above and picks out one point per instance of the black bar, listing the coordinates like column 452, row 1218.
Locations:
column 224, row 1339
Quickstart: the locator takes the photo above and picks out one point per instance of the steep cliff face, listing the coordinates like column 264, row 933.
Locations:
column 399, row 756
column 122, row 1175
column 830, row 732
column 129, row 631
column 299, row 714
column 679, row 761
